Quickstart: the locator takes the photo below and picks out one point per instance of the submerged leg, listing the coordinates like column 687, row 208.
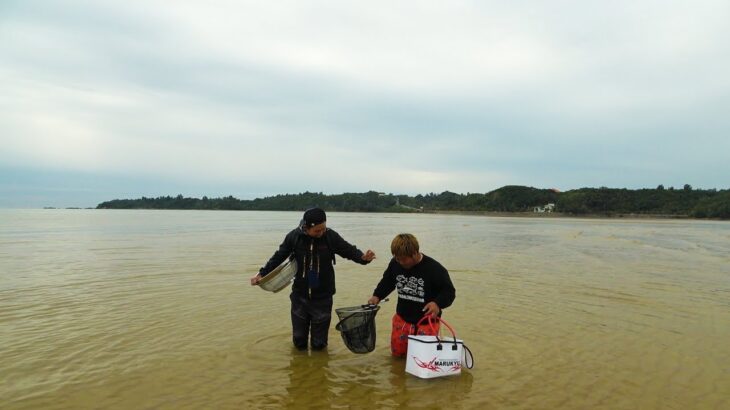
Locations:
column 321, row 314
column 300, row 321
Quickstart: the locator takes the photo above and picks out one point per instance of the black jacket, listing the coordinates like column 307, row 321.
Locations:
column 315, row 254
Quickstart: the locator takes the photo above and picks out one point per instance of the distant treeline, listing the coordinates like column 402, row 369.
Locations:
column 685, row 202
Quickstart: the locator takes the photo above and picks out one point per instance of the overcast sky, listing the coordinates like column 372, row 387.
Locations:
column 102, row 100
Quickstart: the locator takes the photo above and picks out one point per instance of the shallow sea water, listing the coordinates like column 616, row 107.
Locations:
column 152, row 309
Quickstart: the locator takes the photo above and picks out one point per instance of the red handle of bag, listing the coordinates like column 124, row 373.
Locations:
column 431, row 320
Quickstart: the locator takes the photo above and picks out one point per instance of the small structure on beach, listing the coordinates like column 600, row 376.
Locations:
column 547, row 208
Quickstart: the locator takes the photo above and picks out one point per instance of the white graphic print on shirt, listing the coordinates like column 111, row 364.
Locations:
column 410, row 288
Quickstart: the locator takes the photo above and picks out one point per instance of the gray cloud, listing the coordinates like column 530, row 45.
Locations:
column 253, row 99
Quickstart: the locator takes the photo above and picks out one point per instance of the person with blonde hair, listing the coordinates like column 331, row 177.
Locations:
column 424, row 288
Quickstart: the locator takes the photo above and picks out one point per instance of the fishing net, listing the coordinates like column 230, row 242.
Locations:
column 357, row 327
column 280, row 277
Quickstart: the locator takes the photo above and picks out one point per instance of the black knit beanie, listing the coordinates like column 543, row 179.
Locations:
column 313, row 216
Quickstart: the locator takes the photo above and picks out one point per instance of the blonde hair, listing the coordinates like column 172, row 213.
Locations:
column 404, row 244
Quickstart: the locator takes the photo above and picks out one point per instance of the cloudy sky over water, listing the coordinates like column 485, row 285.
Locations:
column 102, row 100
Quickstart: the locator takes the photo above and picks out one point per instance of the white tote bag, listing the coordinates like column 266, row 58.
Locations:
column 434, row 356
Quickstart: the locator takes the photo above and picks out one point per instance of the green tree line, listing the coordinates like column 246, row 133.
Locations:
column 685, row 202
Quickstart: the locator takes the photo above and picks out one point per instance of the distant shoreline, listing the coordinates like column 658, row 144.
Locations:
column 511, row 200
column 547, row 215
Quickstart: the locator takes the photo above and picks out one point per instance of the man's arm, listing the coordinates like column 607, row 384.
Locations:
column 446, row 293
column 384, row 287
column 343, row 248
column 285, row 249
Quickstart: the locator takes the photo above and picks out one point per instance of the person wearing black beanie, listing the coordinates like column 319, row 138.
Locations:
column 314, row 247
column 313, row 216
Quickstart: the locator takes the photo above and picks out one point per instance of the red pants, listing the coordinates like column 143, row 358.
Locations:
column 401, row 330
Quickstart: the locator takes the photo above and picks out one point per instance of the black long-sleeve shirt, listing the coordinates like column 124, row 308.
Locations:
column 427, row 281
column 315, row 254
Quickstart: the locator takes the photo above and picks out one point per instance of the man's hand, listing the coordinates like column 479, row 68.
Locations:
column 374, row 300
column 368, row 256
column 432, row 309
column 256, row 279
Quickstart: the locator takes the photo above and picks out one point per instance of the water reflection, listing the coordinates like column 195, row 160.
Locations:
column 309, row 384
column 441, row 392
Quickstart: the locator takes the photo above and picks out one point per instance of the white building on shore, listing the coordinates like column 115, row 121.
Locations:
column 548, row 208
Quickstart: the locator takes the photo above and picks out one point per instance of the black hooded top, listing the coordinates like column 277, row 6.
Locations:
column 427, row 281
column 316, row 255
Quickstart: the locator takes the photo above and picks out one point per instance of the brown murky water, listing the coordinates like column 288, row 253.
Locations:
column 152, row 309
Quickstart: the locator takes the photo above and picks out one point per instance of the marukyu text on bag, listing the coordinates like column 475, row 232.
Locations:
column 434, row 356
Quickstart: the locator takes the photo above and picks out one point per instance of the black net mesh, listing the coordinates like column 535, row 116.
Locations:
column 357, row 327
